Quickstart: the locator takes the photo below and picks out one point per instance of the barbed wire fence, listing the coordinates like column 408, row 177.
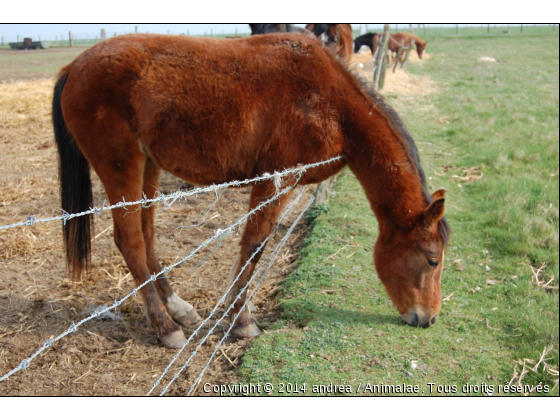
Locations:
column 281, row 189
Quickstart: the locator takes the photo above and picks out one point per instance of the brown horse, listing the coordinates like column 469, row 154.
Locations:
column 337, row 36
column 395, row 40
column 211, row 111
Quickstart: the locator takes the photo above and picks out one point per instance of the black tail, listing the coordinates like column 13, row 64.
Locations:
column 75, row 189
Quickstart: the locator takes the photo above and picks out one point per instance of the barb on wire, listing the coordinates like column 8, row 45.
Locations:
column 169, row 199
column 219, row 232
column 222, row 299
column 273, row 255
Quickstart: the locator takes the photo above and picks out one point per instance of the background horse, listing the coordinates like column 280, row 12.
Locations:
column 366, row 39
column 271, row 28
column 211, row 111
column 395, row 40
column 337, row 36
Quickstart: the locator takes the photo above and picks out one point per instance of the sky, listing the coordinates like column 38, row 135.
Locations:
column 50, row 31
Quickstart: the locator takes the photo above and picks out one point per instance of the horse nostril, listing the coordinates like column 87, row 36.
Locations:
column 414, row 320
column 433, row 320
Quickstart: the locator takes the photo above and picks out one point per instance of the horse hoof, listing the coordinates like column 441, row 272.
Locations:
column 247, row 331
column 189, row 319
column 174, row 340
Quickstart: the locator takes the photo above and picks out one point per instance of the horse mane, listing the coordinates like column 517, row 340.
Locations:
column 398, row 125
column 417, row 39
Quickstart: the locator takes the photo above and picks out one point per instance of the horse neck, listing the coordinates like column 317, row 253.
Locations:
column 380, row 157
column 417, row 39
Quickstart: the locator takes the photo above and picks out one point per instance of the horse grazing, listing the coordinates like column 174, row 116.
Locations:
column 396, row 40
column 365, row 39
column 271, row 28
column 337, row 36
column 211, row 111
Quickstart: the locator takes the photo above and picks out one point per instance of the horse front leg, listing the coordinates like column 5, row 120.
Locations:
column 258, row 228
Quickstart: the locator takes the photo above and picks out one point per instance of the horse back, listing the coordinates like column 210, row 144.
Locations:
column 207, row 110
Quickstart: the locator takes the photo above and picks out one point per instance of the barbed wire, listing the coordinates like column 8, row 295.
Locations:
column 272, row 258
column 222, row 299
column 24, row 364
column 169, row 199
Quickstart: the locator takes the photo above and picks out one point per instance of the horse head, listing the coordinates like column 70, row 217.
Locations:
column 420, row 49
column 410, row 262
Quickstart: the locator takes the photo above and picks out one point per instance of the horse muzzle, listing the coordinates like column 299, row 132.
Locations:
column 419, row 316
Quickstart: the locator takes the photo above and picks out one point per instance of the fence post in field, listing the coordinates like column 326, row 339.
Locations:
column 410, row 28
column 488, row 31
column 521, row 31
column 399, row 53
column 405, row 59
column 384, row 63
column 380, row 61
column 102, row 35
column 324, row 190
column 456, row 29
column 70, row 37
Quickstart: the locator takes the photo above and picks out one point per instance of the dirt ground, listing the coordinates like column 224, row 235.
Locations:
column 119, row 354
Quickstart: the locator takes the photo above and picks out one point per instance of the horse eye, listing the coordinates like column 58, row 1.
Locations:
column 433, row 263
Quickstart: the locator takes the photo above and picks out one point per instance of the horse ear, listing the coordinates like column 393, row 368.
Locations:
column 438, row 194
column 434, row 212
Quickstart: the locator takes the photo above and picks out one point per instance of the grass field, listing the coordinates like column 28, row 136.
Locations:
column 490, row 137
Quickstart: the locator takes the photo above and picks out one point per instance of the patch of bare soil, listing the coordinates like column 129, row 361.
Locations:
column 119, row 354
column 400, row 82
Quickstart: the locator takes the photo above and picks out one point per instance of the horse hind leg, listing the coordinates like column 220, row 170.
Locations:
column 181, row 311
column 258, row 228
column 122, row 178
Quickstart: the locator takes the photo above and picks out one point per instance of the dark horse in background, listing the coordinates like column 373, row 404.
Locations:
column 134, row 105
column 365, row 39
column 337, row 36
column 271, row 28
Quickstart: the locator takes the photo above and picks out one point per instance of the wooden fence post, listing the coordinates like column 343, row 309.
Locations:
column 488, row 31
column 102, row 35
column 399, row 53
column 385, row 63
column 456, row 29
column 380, row 61
column 405, row 59
column 70, row 37
column 521, row 28
column 324, row 190
column 410, row 28
column 136, row 29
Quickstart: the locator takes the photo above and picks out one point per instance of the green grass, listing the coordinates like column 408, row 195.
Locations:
column 337, row 324
column 34, row 64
